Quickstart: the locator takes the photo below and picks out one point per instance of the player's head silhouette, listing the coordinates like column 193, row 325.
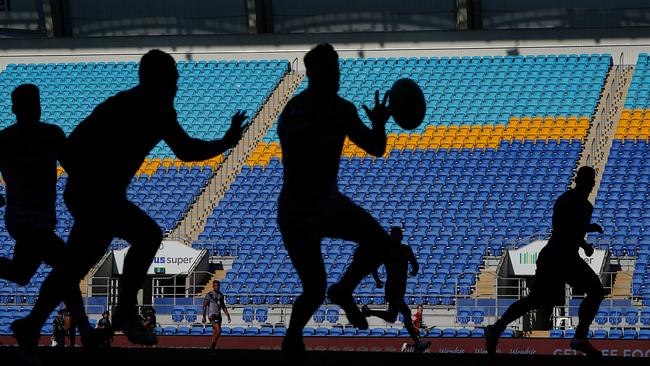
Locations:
column 158, row 74
column 396, row 235
column 26, row 103
column 322, row 64
column 585, row 179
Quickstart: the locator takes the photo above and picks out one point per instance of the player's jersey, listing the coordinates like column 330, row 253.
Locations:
column 215, row 300
column 312, row 132
column 28, row 157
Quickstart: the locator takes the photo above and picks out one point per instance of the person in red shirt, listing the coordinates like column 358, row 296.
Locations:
column 417, row 318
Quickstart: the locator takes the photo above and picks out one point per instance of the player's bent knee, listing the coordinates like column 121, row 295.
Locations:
column 22, row 279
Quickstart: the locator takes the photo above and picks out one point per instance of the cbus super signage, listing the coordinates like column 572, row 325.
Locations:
column 524, row 259
column 172, row 258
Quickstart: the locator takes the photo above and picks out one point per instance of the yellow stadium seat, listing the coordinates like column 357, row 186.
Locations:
column 626, row 113
column 514, row 122
column 447, row 140
column 414, row 139
column 584, row 121
column 481, row 144
column 445, row 145
column 532, row 134
column 548, row 124
column 475, row 131
column 637, row 113
column 399, row 145
column 621, row 130
column 644, row 130
column 167, row 162
column 642, row 136
column 634, row 122
column 482, row 139
column 537, row 122
column 411, row 145
column 525, row 122
column 494, row 141
column 632, row 130
column 508, row 134
column 423, row 144
column 581, row 132
column 619, row 136
column 429, row 131
column 498, row 129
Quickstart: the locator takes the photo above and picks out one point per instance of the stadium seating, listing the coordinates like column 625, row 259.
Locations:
column 479, row 175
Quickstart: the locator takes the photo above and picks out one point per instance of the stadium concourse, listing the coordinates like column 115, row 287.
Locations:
column 502, row 138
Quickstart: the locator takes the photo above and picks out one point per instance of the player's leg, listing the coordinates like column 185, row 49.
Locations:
column 389, row 316
column 584, row 278
column 87, row 244
column 303, row 247
column 408, row 321
column 545, row 285
column 145, row 237
column 143, row 233
column 216, row 333
column 350, row 222
column 27, row 256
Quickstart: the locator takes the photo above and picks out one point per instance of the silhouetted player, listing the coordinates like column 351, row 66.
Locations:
column 214, row 304
column 397, row 259
column 102, row 155
column 29, row 151
column 312, row 130
column 558, row 264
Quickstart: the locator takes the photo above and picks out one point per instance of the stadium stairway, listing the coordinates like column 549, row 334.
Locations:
column 621, row 288
column 193, row 223
column 600, row 135
column 486, row 278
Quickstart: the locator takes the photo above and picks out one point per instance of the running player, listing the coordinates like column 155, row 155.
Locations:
column 558, row 264
column 397, row 261
column 29, row 151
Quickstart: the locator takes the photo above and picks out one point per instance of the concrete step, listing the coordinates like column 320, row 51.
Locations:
column 622, row 285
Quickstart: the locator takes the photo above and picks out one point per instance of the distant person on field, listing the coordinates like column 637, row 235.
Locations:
column 397, row 260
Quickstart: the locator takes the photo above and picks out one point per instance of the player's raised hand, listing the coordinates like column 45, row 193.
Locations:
column 380, row 113
column 595, row 228
column 236, row 130
column 589, row 250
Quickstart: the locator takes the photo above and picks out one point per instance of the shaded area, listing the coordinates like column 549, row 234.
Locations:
column 171, row 356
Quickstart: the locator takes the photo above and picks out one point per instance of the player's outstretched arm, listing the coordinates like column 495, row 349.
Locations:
column 187, row 148
column 372, row 140
column 415, row 266
column 205, row 309
column 225, row 309
column 378, row 281
column 2, row 200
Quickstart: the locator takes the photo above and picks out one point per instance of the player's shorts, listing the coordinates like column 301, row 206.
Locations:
column 554, row 270
column 215, row 319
